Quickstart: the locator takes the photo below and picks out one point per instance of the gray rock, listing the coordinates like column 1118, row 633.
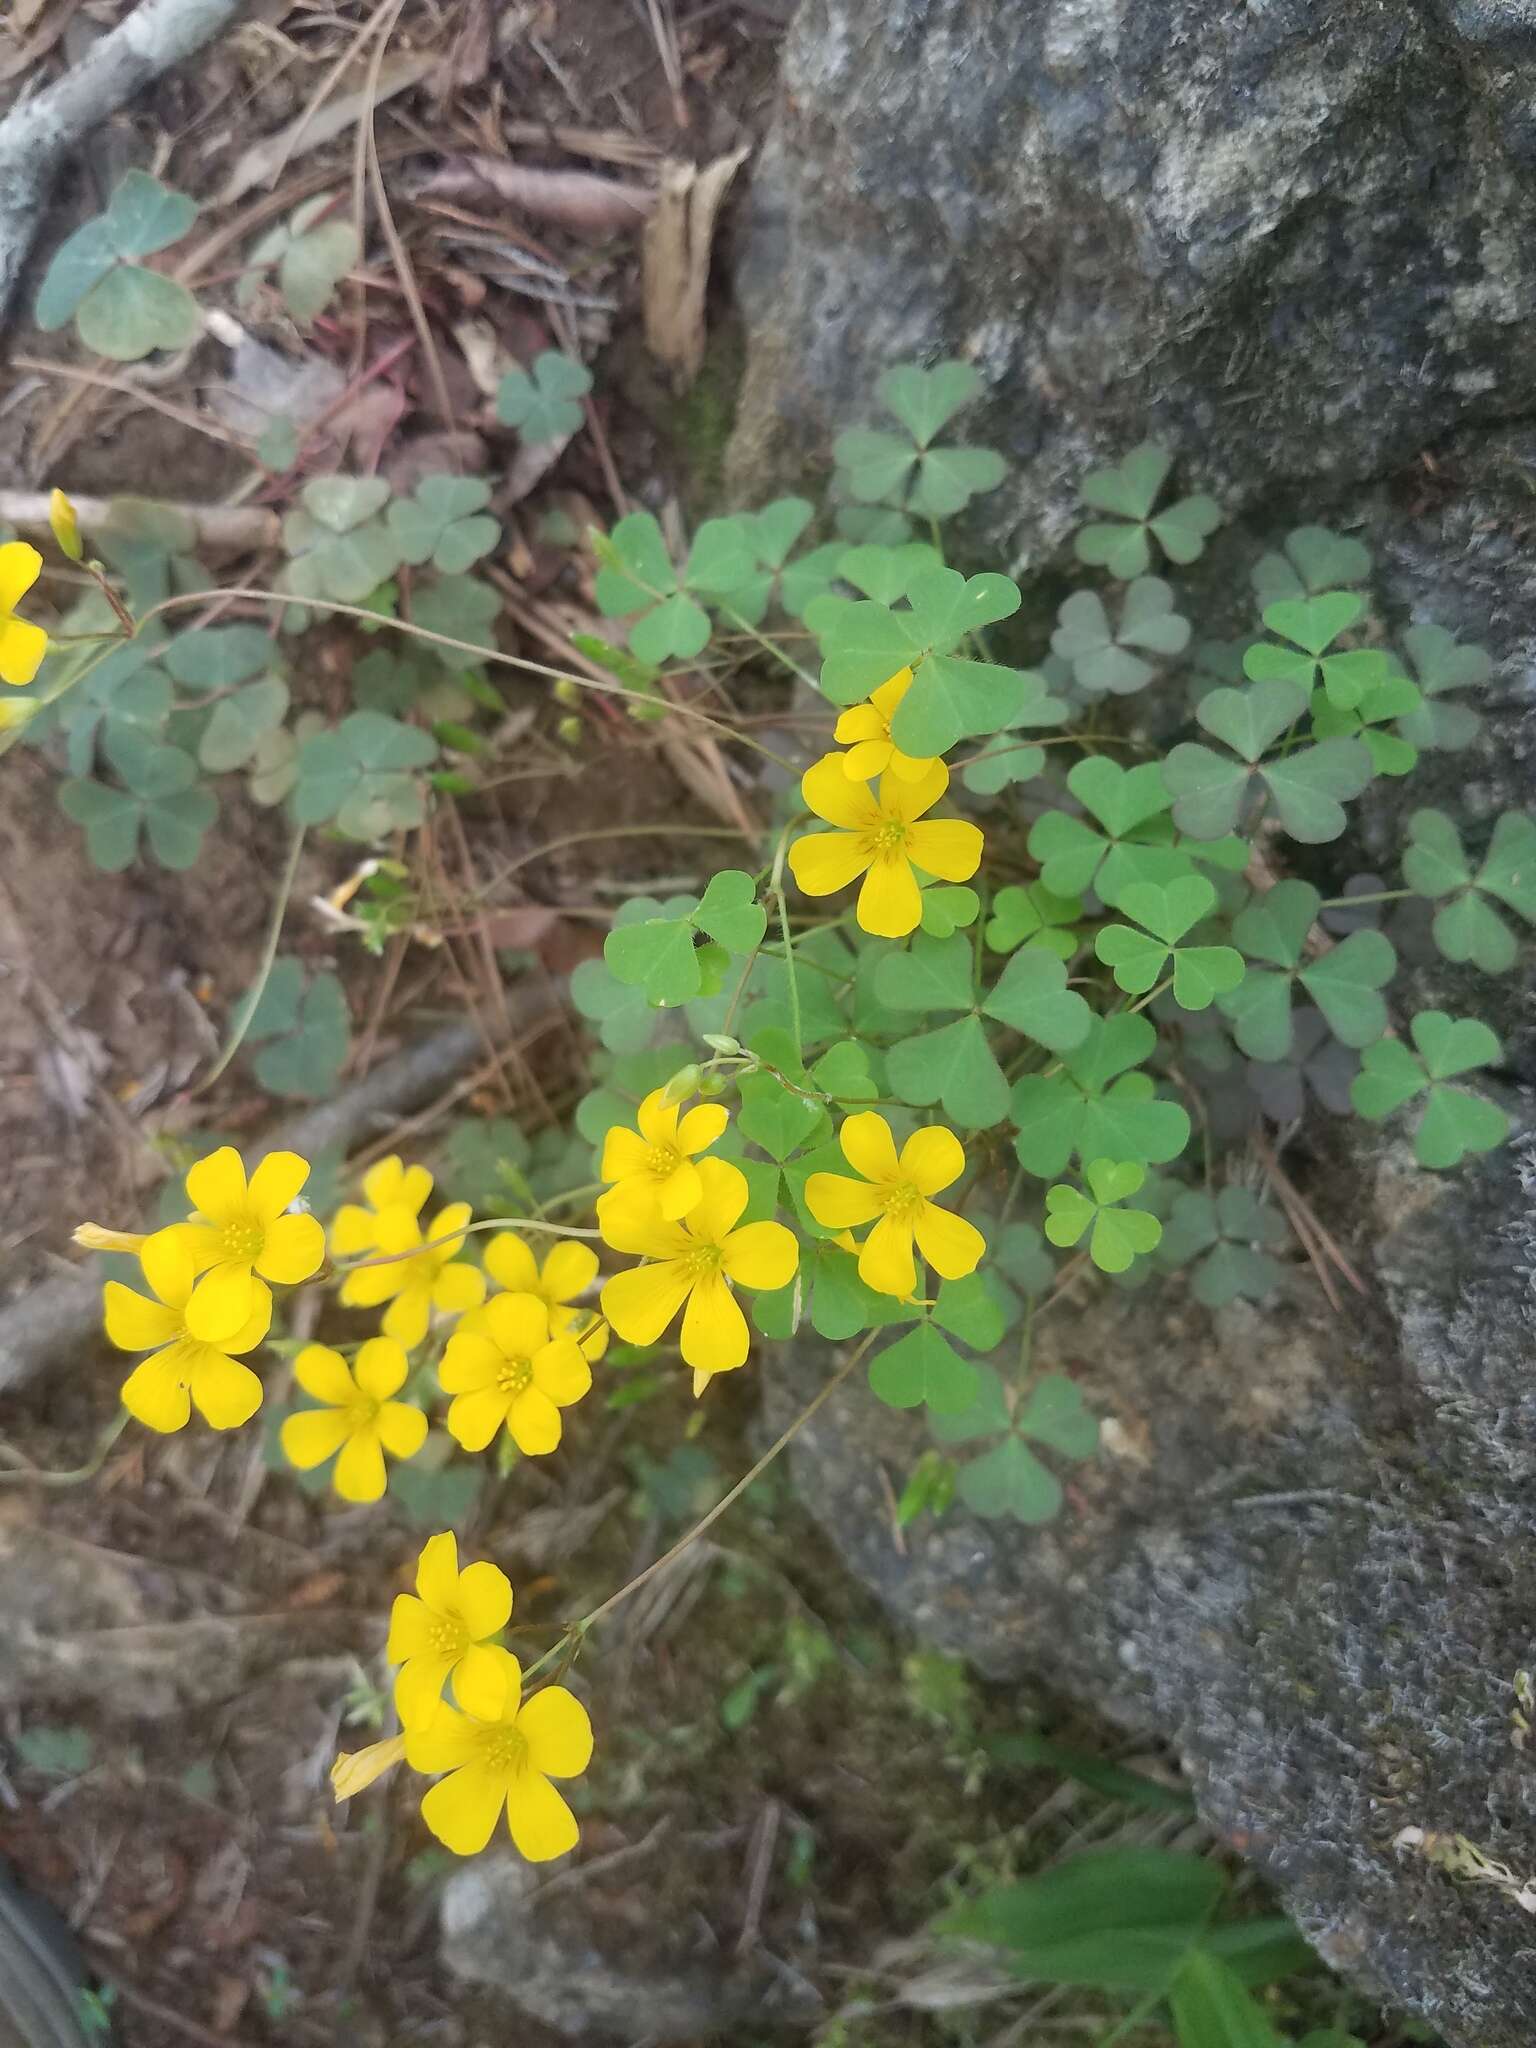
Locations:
column 572, row 1954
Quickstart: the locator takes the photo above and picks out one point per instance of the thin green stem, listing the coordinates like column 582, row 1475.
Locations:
column 766, row 642
column 269, row 947
column 1369, row 896
column 433, row 1244
column 780, row 854
column 30, row 1475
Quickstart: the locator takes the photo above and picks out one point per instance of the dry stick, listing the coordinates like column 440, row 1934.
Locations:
column 139, row 393
column 222, row 529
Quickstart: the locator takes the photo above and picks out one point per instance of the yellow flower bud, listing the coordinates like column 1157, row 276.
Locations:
column 567, row 691
column 66, row 526
column 355, row 1771
column 569, row 731
column 96, row 1237
column 682, row 1084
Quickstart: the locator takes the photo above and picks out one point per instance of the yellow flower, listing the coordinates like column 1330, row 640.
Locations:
column 504, row 1761
column 22, row 645
column 359, row 1419
column 652, row 1168
column 895, row 1195
column 184, row 1371
column 696, row 1261
column 882, row 837
column 503, row 1367
column 355, row 1770
column 441, row 1631
column 65, row 522
column 239, row 1230
column 391, row 1224
column 865, row 730
column 566, row 1273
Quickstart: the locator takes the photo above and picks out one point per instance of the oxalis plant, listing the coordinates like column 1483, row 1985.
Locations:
column 1010, row 981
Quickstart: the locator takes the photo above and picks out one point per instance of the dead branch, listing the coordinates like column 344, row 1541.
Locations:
column 221, row 529
column 574, row 199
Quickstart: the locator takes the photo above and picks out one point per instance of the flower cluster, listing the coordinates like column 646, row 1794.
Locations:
column 881, row 832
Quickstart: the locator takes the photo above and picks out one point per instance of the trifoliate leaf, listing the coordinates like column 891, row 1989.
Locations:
column 239, row 723
column 1168, row 911
column 1312, row 624
column 1032, row 915
column 1439, row 665
column 443, row 522
column 1227, row 1233
column 218, row 657
column 1032, row 998
column 306, row 1028
column 1315, row 560
column 1129, row 491
column 544, row 404
column 730, row 913
column 1119, row 1235
column 1466, row 926
column 1094, row 1108
column 921, row 1367
column 1453, row 1122
column 364, row 775
column 1101, row 652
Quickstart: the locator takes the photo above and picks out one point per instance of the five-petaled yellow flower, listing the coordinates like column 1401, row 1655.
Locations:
column 507, row 1762
column 22, row 645
column 896, row 1196
column 882, row 836
column 359, row 1420
column 865, row 730
column 565, row 1275
column 162, row 1392
column 696, row 1261
column 433, row 1278
column 240, row 1230
column 653, row 1169
column 442, row 1631
column 503, row 1367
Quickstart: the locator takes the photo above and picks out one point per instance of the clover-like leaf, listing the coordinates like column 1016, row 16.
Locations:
column 1466, row 925
column 730, row 912
column 303, row 1028
column 947, row 906
column 444, row 522
column 1130, row 805
column 461, row 608
column 338, row 547
column 1213, row 793
column 165, row 801
column 638, row 576
column 777, row 1117
column 1119, row 1235
column 239, row 723
column 544, row 403
column 1000, row 764
column 1311, row 625
column 1229, row 1234
column 309, row 254
column 1101, row 652
column 1167, row 911
column 909, row 470
column 625, row 1020
column 364, row 776
column 921, row 1367
column 1032, row 998
column 1344, row 981
column 1315, row 560
column 1129, row 491
column 120, row 309
column 1032, row 915
column 1453, row 1122
column 219, row 657
column 1094, row 1108
column 658, row 955
column 1009, row 1479
column 134, row 311
column 1440, row 664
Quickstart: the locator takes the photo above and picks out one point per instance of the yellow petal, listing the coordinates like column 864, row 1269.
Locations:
column 96, row 1237
column 700, row 1127
column 533, row 1423
column 313, row 1435
column 827, row 791
column 65, row 523
column 22, row 647
column 220, row 1303
column 443, row 1233
column 951, row 1246
column 473, row 1419
column 359, row 1474
column 910, row 767
column 294, row 1250
column 437, row 1571
column 511, row 1264
column 869, row 1149
column 386, row 1183
column 355, row 1772
column 462, row 1811
column 202, row 1245
column 446, row 1743
column 885, row 1261
column 419, row 1689
column 657, row 1119
column 168, row 1263
column 410, row 1312
column 155, row 1393
column 457, row 1288
column 482, row 1681
column 484, row 1599
column 323, row 1373
column 868, row 759
column 630, row 1221
column 890, row 903
column 714, row 1334
column 947, row 847
column 470, row 1361
column 558, row 1732
column 371, row 1285
column 517, row 1324
column 570, row 1268
column 625, row 1152
column 642, row 1302
column 20, row 567
column 762, row 1255
column 413, row 1628
column 900, row 798
column 353, row 1231
column 890, row 694
column 381, row 1368
column 837, row 1202
column 402, row 1429
column 216, row 1186
column 134, row 1323
column 724, row 1195
column 275, row 1184
column 860, row 722
column 679, row 1192
column 256, row 1324
column 932, row 1159
column 224, row 1392
column 824, row 862
column 561, row 1371
column 541, row 1823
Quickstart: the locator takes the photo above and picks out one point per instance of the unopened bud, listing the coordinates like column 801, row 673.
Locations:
column 567, row 691
column 66, row 527
column 569, row 731
column 95, row 1237
column 721, row 1041
column 684, row 1082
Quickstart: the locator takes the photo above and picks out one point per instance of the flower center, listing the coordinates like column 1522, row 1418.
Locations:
column 449, row 1638
column 901, row 1200
column 243, row 1239
column 704, row 1261
column 506, row 1750
column 515, row 1377
column 363, row 1412
column 891, row 837
column 663, row 1161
